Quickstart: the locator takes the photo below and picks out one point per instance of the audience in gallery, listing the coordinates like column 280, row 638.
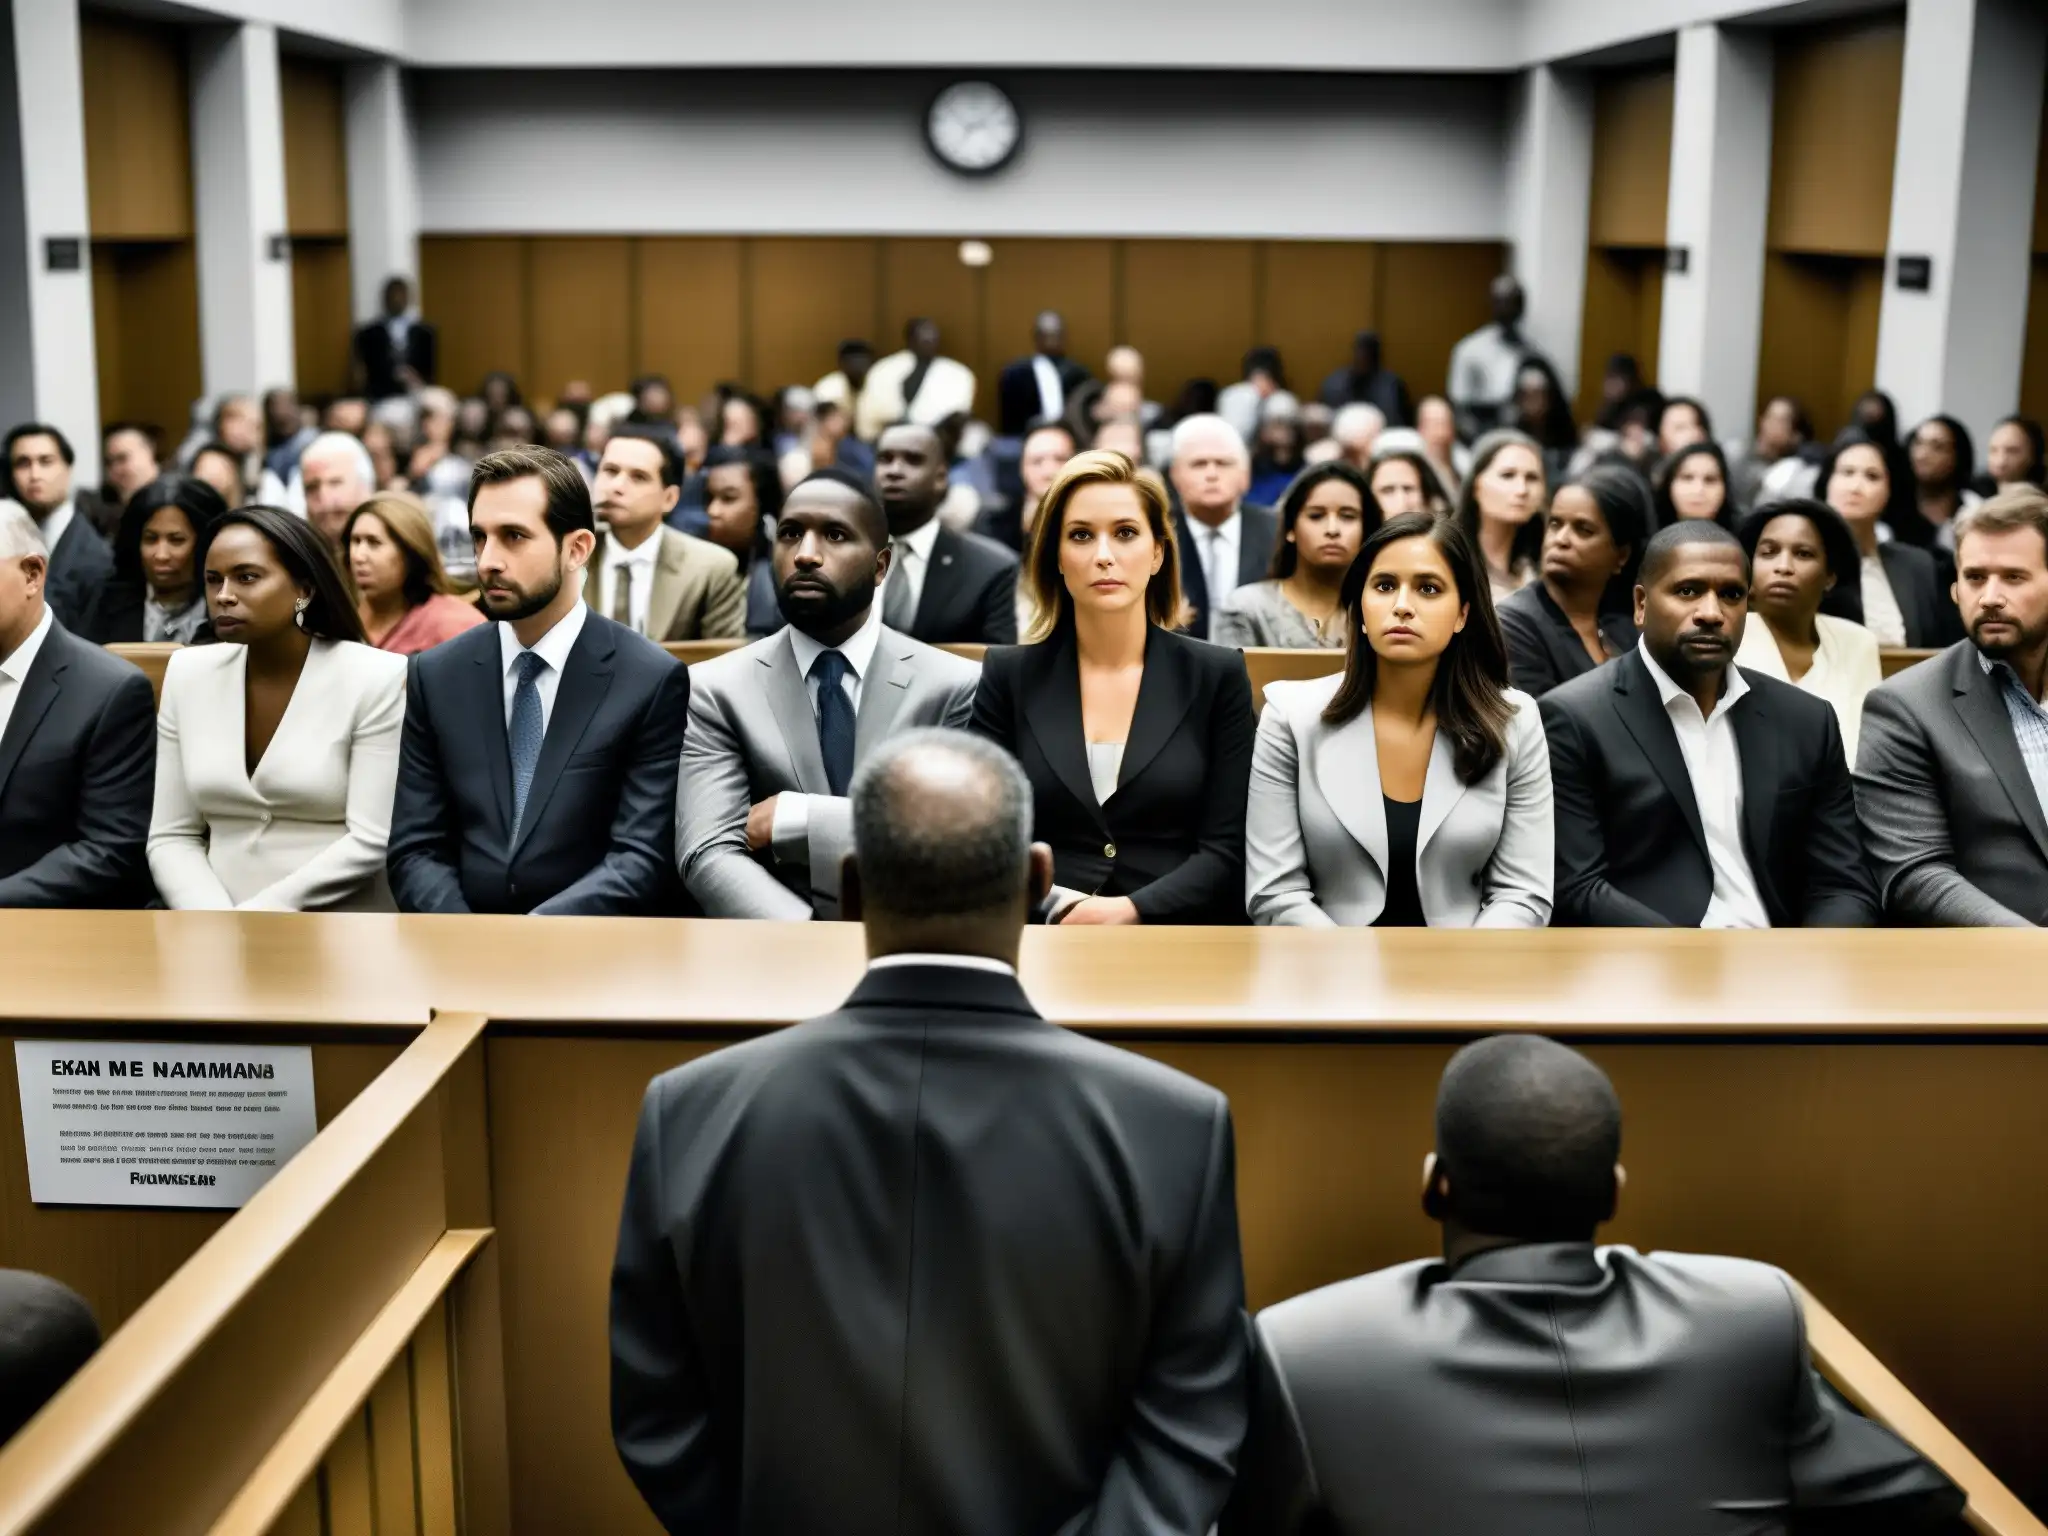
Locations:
column 1437, row 426
column 1241, row 403
column 537, row 771
column 1801, row 554
column 1325, row 517
column 216, row 464
column 1580, row 611
column 1682, row 422
column 78, row 563
column 1354, row 437
column 742, row 492
column 1690, row 793
column 1136, row 739
column 2015, row 454
column 1402, row 478
column 1046, row 446
column 1543, row 413
column 1692, row 485
column 262, row 806
column 1365, row 381
column 778, row 729
column 128, row 456
column 406, row 601
column 654, row 580
column 1902, row 591
column 155, row 594
column 77, row 748
column 394, row 355
column 334, row 476
column 943, row 586
column 1473, row 1392
column 1277, row 451
column 1501, row 510
column 1038, row 387
column 918, row 385
column 1413, row 788
column 1782, row 430
column 1952, row 772
column 1878, row 417
column 1942, row 457
column 47, row 1334
column 846, row 384
column 1227, row 541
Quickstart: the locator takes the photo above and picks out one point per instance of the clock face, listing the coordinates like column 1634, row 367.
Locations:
column 973, row 127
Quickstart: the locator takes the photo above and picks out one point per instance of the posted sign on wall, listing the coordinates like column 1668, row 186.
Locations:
column 129, row 1124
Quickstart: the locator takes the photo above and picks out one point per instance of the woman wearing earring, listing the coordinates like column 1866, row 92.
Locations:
column 277, row 750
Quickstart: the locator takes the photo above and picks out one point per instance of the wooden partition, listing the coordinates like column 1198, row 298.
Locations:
column 2034, row 369
column 1625, row 235
column 316, row 215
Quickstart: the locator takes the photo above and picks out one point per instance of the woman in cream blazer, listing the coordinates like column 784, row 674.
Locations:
column 301, row 824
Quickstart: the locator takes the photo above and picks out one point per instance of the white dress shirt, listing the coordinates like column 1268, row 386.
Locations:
column 913, row 560
column 1707, row 742
column 14, row 670
column 54, row 525
column 1218, row 547
column 1484, row 367
column 1882, row 615
column 642, row 563
column 791, row 826
column 957, row 962
column 553, row 648
column 1052, row 395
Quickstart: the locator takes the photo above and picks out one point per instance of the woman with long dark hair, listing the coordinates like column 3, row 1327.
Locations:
column 277, row 751
column 1580, row 612
column 156, row 594
column 1901, row 590
column 1325, row 516
column 1542, row 411
column 742, row 499
column 1943, row 460
column 1403, row 480
column 1693, row 484
column 2015, row 454
column 1420, row 730
column 1501, row 507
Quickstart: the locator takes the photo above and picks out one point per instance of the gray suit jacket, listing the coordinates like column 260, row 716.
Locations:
column 754, row 734
column 1952, row 827
column 1315, row 844
column 1553, row 1388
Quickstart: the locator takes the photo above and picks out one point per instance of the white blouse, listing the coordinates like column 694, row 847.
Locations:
column 1845, row 667
column 1882, row 615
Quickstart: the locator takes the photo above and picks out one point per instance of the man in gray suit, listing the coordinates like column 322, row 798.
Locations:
column 777, row 729
column 1531, row 1383
column 1952, row 771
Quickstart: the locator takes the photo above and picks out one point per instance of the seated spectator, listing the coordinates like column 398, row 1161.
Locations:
column 238, row 427
column 657, row 582
column 1529, row 1381
column 1242, row 404
column 1125, row 364
column 515, row 427
column 1137, row 740
column 1402, row 478
column 1044, row 453
column 47, row 1333
column 778, row 729
column 1681, row 423
column 917, row 385
column 220, row 467
column 499, row 392
column 1501, row 509
column 1692, row 486
column 845, row 385
column 1419, row 730
column 1542, row 411
column 743, row 422
column 1437, row 426
column 1037, row 388
column 1326, row 516
column 1904, row 598
column 1276, row 456
column 1952, row 773
column 1781, row 431
column 2015, row 454
column 335, row 476
column 1486, row 365
column 78, row 565
column 654, row 401
column 395, row 354
column 1944, row 462
column 1620, row 380
column 77, row 748
column 944, row 587
column 1800, row 553
column 156, row 594
column 439, row 476
column 1580, row 612
column 1355, row 429
column 1120, row 435
column 1693, row 794
column 128, row 452
column 469, row 440
column 262, row 806
column 1223, row 541
column 562, row 430
column 742, row 499
column 538, row 767
column 381, row 444
column 1364, row 382
column 1875, row 414
column 827, row 442
column 403, row 596
column 346, row 413
column 285, row 431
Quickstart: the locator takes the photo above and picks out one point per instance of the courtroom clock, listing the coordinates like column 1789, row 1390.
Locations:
column 973, row 127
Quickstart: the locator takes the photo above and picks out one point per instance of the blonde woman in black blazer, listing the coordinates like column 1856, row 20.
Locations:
column 1137, row 740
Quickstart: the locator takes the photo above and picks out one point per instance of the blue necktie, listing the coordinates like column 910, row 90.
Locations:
column 526, row 731
column 835, row 719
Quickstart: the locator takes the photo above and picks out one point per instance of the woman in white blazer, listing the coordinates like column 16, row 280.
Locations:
column 1413, row 788
column 277, row 750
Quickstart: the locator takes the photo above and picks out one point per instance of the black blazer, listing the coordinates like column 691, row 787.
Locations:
column 117, row 616
column 1172, row 836
column 77, row 775
column 1631, row 852
column 1017, row 402
column 1543, row 648
column 1921, row 581
column 598, row 838
column 81, row 567
column 1255, row 540
column 379, row 361
column 851, row 1296
column 970, row 593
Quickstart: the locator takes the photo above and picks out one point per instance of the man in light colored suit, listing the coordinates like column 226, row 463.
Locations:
column 776, row 730
column 654, row 580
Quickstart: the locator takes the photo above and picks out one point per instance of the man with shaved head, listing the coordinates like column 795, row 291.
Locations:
column 1529, row 1383
column 931, row 1263
column 1691, row 792
column 944, row 587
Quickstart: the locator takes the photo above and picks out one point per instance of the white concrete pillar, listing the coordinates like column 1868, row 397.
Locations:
column 1969, row 135
column 1550, row 207
column 46, row 324
column 1720, row 198
column 245, row 279
column 383, row 193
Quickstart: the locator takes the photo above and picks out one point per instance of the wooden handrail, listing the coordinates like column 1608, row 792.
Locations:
column 1864, row 1380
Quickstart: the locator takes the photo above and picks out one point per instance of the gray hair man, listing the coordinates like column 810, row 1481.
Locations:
column 336, row 476
column 1224, row 543
column 1356, row 430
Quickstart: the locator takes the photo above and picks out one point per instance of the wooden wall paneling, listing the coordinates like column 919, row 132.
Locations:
column 926, row 277
column 109, row 358
column 1631, row 156
column 579, row 313
column 1076, row 277
column 2034, row 368
column 805, row 295
column 1314, row 297
column 474, row 289
column 2041, row 186
column 1820, row 318
column 138, row 134
column 1431, row 294
column 146, row 335
column 1611, row 322
column 322, row 313
column 1191, row 306
column 315, row 146
column 1834, row 128
column 1862, row 303
column 688, row 324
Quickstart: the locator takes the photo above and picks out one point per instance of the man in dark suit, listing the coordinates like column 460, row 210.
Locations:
column 1224, row 544
column 931, row 1263
column 1692, row 793
column 1952, row 773
column 1365, row 382
column 77, row 750
column 943, row 587
column 538, row 766
column 1038, row 387
column 395, row 353
column 39, row 462
column 1531, row 1383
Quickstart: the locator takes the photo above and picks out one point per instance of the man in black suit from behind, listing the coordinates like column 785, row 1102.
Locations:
column 944, row 588
column 1692, row 793
column 77, row 749
column 395, row 353
column 931, row 1263
column 1041, row 386
column 1224, row 543
column 39, row 466
column 537, row 772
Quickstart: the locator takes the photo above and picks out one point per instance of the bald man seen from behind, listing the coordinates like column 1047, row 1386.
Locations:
column 930, row 1264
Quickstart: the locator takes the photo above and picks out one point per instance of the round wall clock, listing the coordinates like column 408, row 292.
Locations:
column 973, row 127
